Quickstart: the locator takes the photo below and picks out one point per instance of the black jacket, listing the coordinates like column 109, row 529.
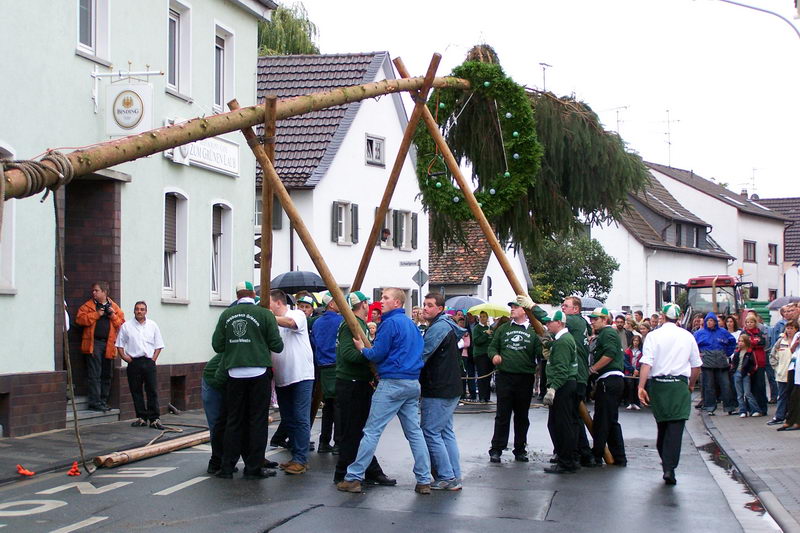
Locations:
column 441, row 375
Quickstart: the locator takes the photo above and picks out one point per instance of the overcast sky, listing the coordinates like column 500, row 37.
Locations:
column 729, row 76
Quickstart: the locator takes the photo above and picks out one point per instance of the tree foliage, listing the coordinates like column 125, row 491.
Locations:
column 290, row 32
column 575, row 266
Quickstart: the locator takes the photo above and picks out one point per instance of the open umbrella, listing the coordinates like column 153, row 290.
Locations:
column 298, row 280
column 777, row 303
column 493, row 310
column 587, row 302
column 463, row 302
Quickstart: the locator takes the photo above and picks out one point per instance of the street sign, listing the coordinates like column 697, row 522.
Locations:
column 420, row 278
column 409, row 263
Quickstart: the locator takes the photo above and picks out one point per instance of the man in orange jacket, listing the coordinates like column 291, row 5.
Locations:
column 101, row 319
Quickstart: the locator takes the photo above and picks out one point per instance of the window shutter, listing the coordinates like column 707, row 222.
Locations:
column 335, row 222
column 277, row 213
column 396, row 220
column 216, row 224
column 376, row 294
column 414, row 297
column 354, row 223
column 414, row 231
column 170, row 223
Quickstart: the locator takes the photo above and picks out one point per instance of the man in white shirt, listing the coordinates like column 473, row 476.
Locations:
column 671, row 357
column 294, row 379
column 139, row 344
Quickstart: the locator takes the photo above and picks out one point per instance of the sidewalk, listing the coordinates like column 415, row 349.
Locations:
column 56, row 450
column 768, row 460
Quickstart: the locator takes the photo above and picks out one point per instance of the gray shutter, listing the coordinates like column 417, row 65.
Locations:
column 354, row 223
column 170, row 223
column 395, row 228
column 414, row 231
column 334, row 220
column 277, row 213
column 414, row 297
column 376, row 294
column 216, row 222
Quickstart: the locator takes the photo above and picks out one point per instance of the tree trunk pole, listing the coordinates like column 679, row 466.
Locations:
column 402, row 152
column 302, row 231
column 488, row 232
column 110, row 153
column 266, row 200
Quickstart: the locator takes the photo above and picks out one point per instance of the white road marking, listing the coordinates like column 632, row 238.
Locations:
column 140, row 471
column 86, row 488
column 79, row 525
column 179, row 486
column 39, row 506
column 200, row 448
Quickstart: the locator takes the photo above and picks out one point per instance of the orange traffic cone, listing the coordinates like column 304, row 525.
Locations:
column 74, row 471
column 24, row 471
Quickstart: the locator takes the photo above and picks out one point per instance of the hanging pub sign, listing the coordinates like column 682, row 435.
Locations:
column 129, row 109
column 215, row 153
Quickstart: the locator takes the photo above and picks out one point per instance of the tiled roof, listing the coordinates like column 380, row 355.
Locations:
column 460, row 264
column 307, row 143
column 715, row 190
column 656, row 197
column 790, row 208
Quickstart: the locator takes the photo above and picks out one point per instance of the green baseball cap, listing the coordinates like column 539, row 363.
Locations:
column 671, row 311
column 244, row 286
column 558, row 316
column 356, row 297
column 600, row 312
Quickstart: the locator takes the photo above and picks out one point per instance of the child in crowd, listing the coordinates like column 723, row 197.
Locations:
column 631, row 363
column 744, row 367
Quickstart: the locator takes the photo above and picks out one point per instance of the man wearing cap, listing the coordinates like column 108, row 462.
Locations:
column 245, row 335
column 671, row 359
column 323, row 337
column 397, row 352
column 294, row 379
column 562, row 370
column 441, row 384
column 354, row 395
column 513, row 351
column 608, row 366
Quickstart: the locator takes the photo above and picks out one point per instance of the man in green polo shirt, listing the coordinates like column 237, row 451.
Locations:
column 562, row 369
column 513, row 351
column 607, row 365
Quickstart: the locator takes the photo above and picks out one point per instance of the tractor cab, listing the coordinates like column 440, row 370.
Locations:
column 724, row 295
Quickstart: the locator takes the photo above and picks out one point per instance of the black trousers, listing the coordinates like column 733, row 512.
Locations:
column 668, row 443
column 99, row 372
column 561, row 424
column 583, row 451
column 482, row 367
column 142, row 380
column 607, row 430
column 247, row 409
column 542, row 378
column 631, row 396
column 354, row 399
column 331, row 422
column 514, row 393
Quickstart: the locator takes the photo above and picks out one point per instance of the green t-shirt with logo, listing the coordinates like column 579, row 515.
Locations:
column 519, row 347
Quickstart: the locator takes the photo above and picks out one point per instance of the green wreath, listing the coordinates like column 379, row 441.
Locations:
column 492, row 127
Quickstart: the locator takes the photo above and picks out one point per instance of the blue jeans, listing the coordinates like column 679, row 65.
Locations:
column 393, row 397
column 784, row 390
column 212, row 404
column 774, row 386
column 747, row 402
column 437, row 427
column 712, row 376
column 294, row 402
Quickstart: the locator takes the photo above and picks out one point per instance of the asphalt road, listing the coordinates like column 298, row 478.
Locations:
column 173, row 492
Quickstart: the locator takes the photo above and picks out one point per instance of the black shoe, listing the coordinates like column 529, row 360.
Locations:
column 269, row 464
column 558, row 469
column 213, row 468
column 105, row 408
column 156, row 424
column 621, row 462
column 774, row 422
column 494, row 456
column 324, row 448
column 773, row 401
column 554, row 459
column 279, row 444
column 310, row 446
column 382, row 480
column 669, row 477
column 522, row 457
column 261, row 473
column 98, row 408
column 589, row 462
column 224, row 475
column 335, row 449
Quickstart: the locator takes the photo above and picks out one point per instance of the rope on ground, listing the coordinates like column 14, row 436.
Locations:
column 167, row 429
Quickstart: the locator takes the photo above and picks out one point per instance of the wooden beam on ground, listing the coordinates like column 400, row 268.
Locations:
column 477, row 212
column 271, row 176
column 110, row 153
column 402, row 152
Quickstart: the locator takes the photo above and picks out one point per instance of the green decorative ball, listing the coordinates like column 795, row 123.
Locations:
column 480, row 204
column 441, row 105
column 492, row 191
column 487, row 83
column 515, row 156
column 515, row 134
column 509, row 115
column 506, row 174
column 438, row 185
column 456, row 199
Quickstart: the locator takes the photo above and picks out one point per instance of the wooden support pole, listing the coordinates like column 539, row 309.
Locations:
column 266, row 200
column 271, row 176
column 110, row 153
column 137, row 454
column 466, row 188
column 402, row 152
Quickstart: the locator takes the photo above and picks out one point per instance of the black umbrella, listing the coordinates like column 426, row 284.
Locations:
column 463, row 302
column 298, row 280
column 777, row 303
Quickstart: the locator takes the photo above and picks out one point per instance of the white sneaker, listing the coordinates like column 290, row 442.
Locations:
column 756, row 414
column 743, row 415
column 635, row 407
column 630, row 406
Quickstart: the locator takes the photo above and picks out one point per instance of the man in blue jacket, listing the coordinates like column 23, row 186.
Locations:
column 398, row 355
column 326, row 329
column 716, row 345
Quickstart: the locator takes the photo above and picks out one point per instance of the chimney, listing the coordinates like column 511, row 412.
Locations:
column 744, row 193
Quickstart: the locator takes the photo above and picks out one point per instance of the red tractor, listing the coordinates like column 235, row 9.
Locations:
column 724, row 294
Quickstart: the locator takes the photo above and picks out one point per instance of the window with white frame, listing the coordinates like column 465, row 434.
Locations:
column 375, row 150
column 749, row 249
column 344, row 223
column 223, row 66
column 277, row 212
column 221, row 245
column 404, row 225
column 772, row 253
column 179, row 49
column 175, row 266
column 93, row 29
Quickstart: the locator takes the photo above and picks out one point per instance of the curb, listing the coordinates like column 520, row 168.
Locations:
column 777, row 511
column 67, row 463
